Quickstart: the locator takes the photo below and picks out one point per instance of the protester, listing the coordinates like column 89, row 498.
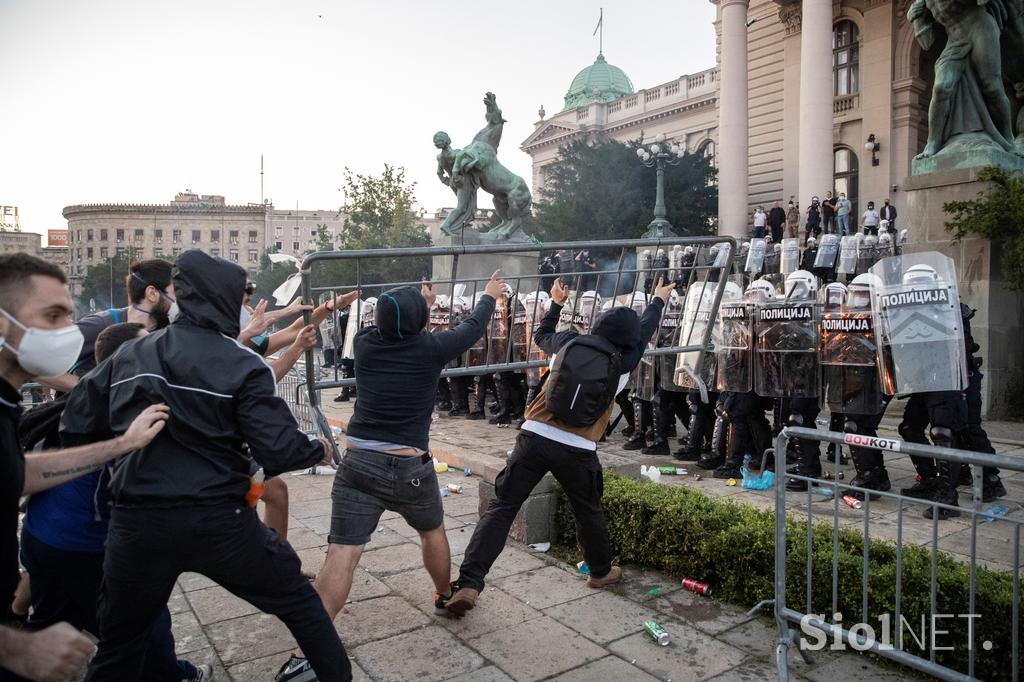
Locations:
column 813, row 223
column 179, row 503
column 828, row 213
column 843, row 210
column 37, row 338
column 760, row 221
column 387, row 466
column 792, row 220
column 63, row 535
column 546, row 443
column 776, row 221
column 870, row 219
column 888, row 213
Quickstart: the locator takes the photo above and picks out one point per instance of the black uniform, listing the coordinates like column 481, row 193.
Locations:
column 179, row 503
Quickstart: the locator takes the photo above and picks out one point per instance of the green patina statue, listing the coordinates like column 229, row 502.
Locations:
column 971, row 110
column 476, row 166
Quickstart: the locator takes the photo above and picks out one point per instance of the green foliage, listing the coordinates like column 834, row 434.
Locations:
column 732, row 547
column 269, row 277
column 603, row 191
column 998, row 215
column 380, row 215
column 104, row 283
column 323, row 239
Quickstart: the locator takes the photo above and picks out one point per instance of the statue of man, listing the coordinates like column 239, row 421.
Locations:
column 465, row 192
column 968, row 95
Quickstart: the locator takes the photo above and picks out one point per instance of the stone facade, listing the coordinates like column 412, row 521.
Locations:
column 20, row 242
column 97, row 232
column 294, row 231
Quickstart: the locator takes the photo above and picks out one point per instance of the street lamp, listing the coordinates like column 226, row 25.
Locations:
column 658, row 155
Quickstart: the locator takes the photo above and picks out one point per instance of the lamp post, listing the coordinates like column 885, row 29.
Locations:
column 658, row 155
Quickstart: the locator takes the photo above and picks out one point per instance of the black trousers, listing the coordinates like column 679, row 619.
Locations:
column 577, row 471
column 147, row 549
column 940, row 409
column 65, row 587
column 865, row 459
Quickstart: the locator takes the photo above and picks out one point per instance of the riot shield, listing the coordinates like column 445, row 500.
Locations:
column 477, row 353
column 917, row 319
column 351, row 328
column 498, row 331
column 579, row 312
column 772, row 260
column 517, row 333
column 668, row 336
column 849, row 359
column 535, row 308
column 867, row 254
column 828, row 253
column 696, row 369
column 368, row 313
column 847, row 256
column 786, row 335
column 790, row 261
column 733, row 346
column 755, row 257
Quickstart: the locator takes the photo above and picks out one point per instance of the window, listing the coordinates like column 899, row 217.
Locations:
column 295, row 229
column 158, row 252
column 104, row 236
column 295, row 246
column 88, row 235
column 176, row 237
column 278, row 229
column 78, row 237
column 233, row 255
column 233, row 236
column 215, row 236
column 277, row 246
column 158, row 236
column 104, row 253
column 707, row 150
column 196, row 236
column 88, row 252
column 845, row 59
column 215, row 252
column 254, row 256
column 138, row 235
column 121, row 251
column 846, row 180
column 79, row 253
column 252, row 236
column 120, row 237
column 252, row 273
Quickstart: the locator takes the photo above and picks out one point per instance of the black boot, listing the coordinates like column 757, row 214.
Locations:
column 872, row 479
column 944, row 494
column 924, row 489
column 992, row 487
column 504, row 411
column 477, row 400
column 730, row 468
column 659, row 444
column 719, row 445
column 698, row 429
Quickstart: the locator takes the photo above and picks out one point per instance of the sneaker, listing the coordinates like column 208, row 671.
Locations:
column 440, row 603
column 657, row 448
column 341, row 398
column 296, row 670
column 204, row 673
column 462, row 601
column 613, row 576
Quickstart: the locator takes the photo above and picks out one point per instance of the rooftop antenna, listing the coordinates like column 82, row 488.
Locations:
column 600, row 29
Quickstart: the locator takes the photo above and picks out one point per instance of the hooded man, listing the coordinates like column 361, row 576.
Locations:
column 545, row 444
column 387, row 466
column 179, row 503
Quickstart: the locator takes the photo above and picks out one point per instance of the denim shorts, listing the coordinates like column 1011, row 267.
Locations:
column 369, row 483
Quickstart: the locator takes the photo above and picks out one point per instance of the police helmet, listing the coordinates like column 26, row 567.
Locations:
column 870, row 241
column 688, row 250
column 760, row 290
column 777, row 248
column 860, row 291
column 460, row 304
column 801, row 284
column 885, row 240
column 733, row 291
column 811, row 241
column 833, row 296
column 920, row 274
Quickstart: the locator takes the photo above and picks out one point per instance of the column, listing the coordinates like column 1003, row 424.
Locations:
column 816, row 161
column 732, row 120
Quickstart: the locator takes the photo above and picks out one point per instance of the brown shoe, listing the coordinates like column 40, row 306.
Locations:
column 462, row 601
column 613, row 576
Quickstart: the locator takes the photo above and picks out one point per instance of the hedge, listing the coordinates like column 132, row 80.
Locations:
column 732, row 546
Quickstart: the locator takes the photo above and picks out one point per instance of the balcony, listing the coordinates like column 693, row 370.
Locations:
column 843, row 105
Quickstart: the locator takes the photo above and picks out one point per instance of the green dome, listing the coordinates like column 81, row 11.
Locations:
column 610, row 81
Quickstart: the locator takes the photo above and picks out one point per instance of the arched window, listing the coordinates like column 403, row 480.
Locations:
column 845, row 59
column 846, row 173
column 707, row 150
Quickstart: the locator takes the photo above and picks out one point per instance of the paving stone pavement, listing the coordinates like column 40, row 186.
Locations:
column 536, row 621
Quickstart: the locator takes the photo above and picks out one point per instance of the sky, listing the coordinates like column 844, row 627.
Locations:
column 131, row 101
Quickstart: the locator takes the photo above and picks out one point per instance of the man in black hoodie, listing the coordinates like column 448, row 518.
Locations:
column 179, row 503
column 547, row 444
column 387, row 466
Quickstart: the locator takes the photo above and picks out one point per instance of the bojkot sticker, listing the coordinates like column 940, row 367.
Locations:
column 873, row 442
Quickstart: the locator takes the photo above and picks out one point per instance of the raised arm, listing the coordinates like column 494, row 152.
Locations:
column 544, row 334
column 455, row 342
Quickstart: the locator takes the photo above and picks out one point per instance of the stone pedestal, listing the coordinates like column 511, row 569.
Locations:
column 997, row 325
column 518, row 269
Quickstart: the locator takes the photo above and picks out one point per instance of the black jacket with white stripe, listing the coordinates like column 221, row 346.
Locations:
column 221, row 395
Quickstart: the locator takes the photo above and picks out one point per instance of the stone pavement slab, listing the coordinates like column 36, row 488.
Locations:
column 429, row 654
column 545, row 587
column 602, row 617
column 607, row 668
column 690, row 655
column 536, row 649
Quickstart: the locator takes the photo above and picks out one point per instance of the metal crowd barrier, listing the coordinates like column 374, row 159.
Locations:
column 33, row 394
column 292, row 389
column 618, row 272
column 907, row 652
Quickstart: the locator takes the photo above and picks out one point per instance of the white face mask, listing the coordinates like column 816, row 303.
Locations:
column 46, row 352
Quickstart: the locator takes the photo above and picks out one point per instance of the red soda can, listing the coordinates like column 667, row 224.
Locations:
column 852, row 501
column 697, row 587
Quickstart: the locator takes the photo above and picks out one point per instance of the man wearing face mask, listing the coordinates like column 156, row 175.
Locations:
column 37, row 338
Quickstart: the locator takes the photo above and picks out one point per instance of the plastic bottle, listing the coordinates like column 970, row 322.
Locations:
column 256, row 486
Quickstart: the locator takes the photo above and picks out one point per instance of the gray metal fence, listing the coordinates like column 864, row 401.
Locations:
column 839, row 624
column 618, row 269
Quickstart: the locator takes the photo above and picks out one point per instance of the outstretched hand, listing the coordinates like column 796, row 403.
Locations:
column 429, row 294
column 346, row 299
column 495, row 286
column 663, row 290
column 559, row 292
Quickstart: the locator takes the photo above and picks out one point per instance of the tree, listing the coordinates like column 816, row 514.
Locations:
column 104, row 283
column 269, row 277
column 323, row 239
column 998, row 215
column 380, row 215
column 603, row 191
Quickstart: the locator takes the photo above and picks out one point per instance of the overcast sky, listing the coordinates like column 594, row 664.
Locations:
column 131, row 101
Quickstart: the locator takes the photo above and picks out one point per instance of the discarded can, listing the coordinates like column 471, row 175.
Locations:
column 440, row 467
column 828, row 476
column 697, row 587
column 657, row 633
column 583, row 568
column 698, row 477
column 467, row 471
column 851, row 501
column 455, row 488
column 445, row 492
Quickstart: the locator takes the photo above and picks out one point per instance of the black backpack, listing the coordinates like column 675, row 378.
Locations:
column 583, row 380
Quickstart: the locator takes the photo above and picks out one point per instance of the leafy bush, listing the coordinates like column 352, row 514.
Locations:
column 732, row 546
